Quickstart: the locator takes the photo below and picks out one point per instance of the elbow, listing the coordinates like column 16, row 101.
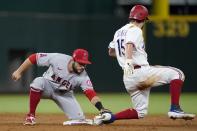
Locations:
column 111, row 52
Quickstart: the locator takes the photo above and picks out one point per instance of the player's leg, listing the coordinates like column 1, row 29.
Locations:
column 36, row 89
column 140, row 100
column 69, row 105
column 167, row 75
column 174, row 77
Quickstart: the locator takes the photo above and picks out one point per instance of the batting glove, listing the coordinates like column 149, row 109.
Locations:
column 128, row 67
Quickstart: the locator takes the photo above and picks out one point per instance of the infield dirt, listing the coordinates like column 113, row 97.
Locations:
column 53, row 122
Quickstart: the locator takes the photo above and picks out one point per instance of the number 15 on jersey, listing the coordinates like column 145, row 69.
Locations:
column 121, row 48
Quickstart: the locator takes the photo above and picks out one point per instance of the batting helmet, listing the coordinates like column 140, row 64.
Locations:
column 139, row 12
column 81, row 56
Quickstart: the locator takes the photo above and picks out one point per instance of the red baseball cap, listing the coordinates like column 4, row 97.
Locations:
column 81, row 56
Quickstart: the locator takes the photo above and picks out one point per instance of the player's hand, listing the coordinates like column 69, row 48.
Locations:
column 128, row 67
column 16, row 75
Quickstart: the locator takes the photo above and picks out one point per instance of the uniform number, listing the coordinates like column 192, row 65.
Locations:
column 121, row 48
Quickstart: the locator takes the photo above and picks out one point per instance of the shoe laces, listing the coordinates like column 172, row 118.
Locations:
column 176, row 107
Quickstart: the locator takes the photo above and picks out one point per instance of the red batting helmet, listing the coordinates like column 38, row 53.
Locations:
column 81, row 56
column 139, row 12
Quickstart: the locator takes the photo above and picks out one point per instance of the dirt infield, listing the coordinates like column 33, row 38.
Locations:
column 53, row 122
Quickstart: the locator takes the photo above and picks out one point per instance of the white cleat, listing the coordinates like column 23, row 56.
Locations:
column 181, row 115
column 78, row 122
column 105, row 118
column 177, row 113
column 98, row 120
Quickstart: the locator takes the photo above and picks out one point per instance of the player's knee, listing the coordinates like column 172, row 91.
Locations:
column 183, row 76
column 142, row 114
column 178, row 74
column 38, row 83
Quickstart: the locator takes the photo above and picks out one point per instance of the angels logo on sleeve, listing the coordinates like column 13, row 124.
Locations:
column 43, row 55
column 89, row 83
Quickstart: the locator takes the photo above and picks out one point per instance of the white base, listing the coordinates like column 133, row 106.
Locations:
column 78, row 122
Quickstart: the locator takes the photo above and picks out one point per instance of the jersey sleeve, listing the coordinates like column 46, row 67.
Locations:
column 111, row 44
column 86, row 84
column 44, row 59
column 133, row 36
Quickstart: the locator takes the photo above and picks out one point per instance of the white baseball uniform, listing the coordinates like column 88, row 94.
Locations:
column 57, row 83
column 140, row 99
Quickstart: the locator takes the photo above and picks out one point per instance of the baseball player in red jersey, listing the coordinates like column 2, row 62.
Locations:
column 65, row 73
column 129, row 49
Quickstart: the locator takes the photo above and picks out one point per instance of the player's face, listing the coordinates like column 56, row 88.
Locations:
column 78, row 67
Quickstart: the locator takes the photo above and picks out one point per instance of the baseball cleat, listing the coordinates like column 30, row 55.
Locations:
column 98, row 120
column 177, row 113
column 105, row 118
column 30, row 120
column 79, row 122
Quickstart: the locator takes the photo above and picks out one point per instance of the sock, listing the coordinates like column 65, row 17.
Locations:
column 34, row 99
column 127, row 114
column 175, row 91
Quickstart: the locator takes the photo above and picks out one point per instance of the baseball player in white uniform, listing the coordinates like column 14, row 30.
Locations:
column 65, row 73
column 129, row 49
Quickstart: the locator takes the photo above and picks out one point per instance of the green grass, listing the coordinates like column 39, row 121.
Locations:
column 158, row 104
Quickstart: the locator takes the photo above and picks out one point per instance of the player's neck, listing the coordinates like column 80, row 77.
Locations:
column 140, row 25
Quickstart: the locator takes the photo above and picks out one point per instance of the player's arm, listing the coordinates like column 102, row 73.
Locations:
column 23, row 67
column 111, row 49
column 95, row 100
column 112, row 52
column 129, row 50
column 128, row 67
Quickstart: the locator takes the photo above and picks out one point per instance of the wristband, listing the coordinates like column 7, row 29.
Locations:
column 99, row 105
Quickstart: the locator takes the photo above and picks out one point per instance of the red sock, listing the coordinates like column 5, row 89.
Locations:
column 127, row 114
column 175, row 91
column 34, row 99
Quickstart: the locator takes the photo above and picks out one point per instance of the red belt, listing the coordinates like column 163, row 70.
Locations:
column 137, row 66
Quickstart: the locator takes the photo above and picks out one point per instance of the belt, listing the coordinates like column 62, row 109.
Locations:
column 137, row 66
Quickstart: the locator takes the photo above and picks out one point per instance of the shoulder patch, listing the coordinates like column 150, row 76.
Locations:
column 43, row 55
column 89, row 83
